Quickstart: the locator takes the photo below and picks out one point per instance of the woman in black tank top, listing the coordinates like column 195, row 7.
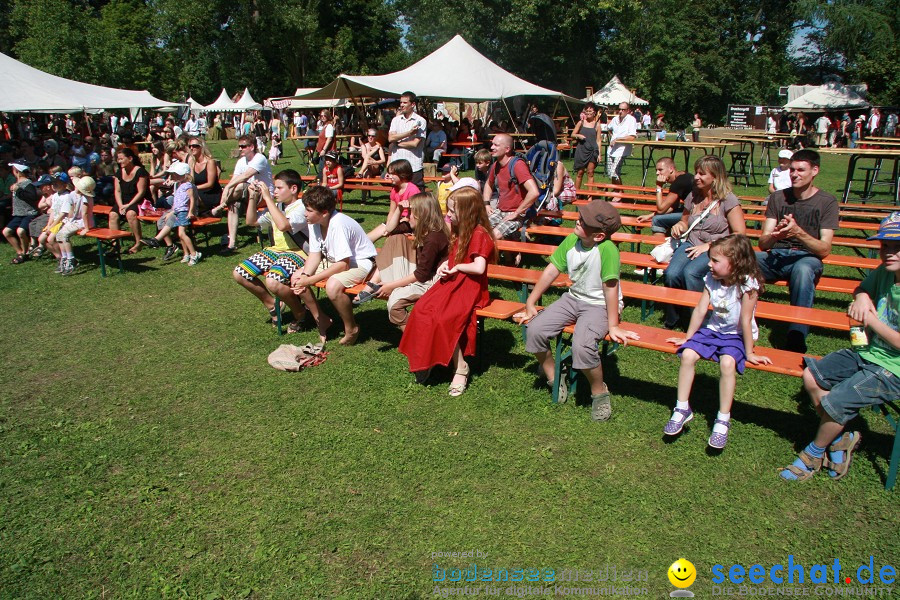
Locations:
column 206, row 174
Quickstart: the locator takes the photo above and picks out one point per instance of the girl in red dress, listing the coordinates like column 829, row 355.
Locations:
column 333, row 178
column 442, row 327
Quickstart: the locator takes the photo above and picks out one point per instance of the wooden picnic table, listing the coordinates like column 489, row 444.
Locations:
column 879, row 155
column 674, row 146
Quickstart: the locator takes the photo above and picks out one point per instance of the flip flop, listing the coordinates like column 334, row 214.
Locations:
column 848, row 444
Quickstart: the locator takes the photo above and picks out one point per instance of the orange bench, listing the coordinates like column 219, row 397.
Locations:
column 108, row 239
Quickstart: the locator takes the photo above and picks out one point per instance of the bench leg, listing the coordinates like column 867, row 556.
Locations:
column 100, row 254
column 895, row 462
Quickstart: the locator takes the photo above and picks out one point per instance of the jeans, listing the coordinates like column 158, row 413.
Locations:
column 801, row 268
column 684, row 274
column 663, row 223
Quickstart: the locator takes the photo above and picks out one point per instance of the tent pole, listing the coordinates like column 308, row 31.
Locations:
column 512, row 119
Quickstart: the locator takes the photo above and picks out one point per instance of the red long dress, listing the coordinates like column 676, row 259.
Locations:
column 445, row 315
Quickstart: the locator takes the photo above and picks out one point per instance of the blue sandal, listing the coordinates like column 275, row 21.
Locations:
column 718, row 440
column 674, row 427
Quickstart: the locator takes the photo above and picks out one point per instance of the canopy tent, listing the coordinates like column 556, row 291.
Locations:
column 454, row 72
column 831, row 96
column 293, row 103
column 195, row 106
column 26, row 89
column 614, row 93
column 246, row 102
column 223, row 104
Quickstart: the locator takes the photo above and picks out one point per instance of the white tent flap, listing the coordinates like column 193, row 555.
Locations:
column 831, row 96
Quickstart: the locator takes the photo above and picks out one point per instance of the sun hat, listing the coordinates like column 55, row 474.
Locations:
column 179, row 168
column 889, row 228
column 785, row 153
column 85, row 186
column 465, row 182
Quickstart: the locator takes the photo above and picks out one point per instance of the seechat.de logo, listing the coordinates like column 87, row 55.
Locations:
column 795, row 572
column 682, row 574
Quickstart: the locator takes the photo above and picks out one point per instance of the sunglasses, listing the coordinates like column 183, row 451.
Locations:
column 244, row 146
column 198, row 146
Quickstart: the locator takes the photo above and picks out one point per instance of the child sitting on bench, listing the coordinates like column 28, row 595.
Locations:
column 400, row 173
column 593, row 302
column 844, row 382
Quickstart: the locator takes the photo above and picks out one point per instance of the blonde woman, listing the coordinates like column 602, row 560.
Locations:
column 205, row 172
column 711, row 211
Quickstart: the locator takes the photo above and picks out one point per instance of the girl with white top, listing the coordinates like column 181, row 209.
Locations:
column 731, row 288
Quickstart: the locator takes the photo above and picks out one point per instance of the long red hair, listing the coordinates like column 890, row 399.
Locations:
column 470, row 213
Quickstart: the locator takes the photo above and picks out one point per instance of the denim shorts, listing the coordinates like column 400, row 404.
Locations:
column 20, row 222
column 852, row 383
column 182, row 219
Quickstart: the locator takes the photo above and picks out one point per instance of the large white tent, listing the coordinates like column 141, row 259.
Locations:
column 831, row 96
column 614, row 93
column 293, row 103
column 223, row 103
column 26, row 89
column 246, row 102
column 454, row 72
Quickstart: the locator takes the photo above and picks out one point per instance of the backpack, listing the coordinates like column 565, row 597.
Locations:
column 541, row 159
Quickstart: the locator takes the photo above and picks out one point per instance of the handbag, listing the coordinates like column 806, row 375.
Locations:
column 663, row 253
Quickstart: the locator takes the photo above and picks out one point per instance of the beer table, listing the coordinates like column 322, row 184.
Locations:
column 674, row 147
column 878, row 155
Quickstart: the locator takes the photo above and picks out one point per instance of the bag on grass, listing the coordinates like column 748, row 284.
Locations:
column 294, row 358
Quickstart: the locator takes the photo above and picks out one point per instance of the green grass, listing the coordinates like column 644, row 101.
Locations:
column 148, row 451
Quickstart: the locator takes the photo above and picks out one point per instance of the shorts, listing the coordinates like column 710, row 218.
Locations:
column 20, row 222
column 182, row 219
column 352, row 276
column 591, row 326
column 37, row 225
column 68, row 228
column 276, row 265
column 712, row 345
column 56, row 228
column 167, row 220
column 852, row 383
column 503, row 228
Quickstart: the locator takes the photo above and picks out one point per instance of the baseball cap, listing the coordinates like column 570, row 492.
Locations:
column 43, row 180
column 600, row 214
column 179, row 168
column 446, row 168
column 465, row 182
column 18, row 165
column 64, row 177
column 889, row 228
column 785, row 153
column 330, row 156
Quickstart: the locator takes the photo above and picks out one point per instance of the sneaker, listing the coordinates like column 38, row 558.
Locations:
column 61, row 266
column 186, row 259
column 675, row 425
column 150, row 242
column 193, row 260
column 70, row 266
column 169, row 254
column 796, row 342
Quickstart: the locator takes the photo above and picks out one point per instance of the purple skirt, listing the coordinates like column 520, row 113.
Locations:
column 711, row 345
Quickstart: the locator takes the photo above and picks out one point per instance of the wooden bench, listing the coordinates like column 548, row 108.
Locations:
column 108, row 239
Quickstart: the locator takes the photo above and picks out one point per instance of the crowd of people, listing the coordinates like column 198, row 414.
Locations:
column 432, row 267
column 829, row 130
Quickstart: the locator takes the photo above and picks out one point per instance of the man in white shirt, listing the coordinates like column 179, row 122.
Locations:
column 622, row 129
column 251, row 166
column 874, row 121
column 192, row 127
column 646, row 120
column 823, row 123
column 407, row 137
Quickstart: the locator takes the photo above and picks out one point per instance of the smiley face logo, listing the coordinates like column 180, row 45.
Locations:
column 682, row 573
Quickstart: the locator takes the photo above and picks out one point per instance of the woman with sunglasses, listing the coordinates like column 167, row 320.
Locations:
column 206, row 174
column 373, row 158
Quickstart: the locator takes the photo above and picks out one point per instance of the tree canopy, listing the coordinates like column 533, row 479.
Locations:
column 684, row 57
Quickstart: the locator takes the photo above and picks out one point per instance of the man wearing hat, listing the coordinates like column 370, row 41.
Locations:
column 24, row 210
column 593, row 302
column 796, row 236
column 843, row 383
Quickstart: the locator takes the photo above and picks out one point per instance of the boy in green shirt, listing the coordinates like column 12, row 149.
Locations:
column 844, row 382
column 593, row 302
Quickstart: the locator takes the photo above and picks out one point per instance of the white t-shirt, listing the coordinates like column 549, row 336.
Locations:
column 345, row 239
column 178, row 131
column 781, row 179
column 646, row 121
column 401, row 124
column 59, row 203
column 296, row 119
column 771, row 125
column 619, row 129
column 822, row 124
column 260, row 165
column 192, row 127
column 75, row 207
column 725, row 301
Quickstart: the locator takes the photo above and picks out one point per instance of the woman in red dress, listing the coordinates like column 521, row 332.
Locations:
column 442, row 327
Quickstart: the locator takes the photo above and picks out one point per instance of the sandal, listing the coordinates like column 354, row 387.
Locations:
column 812, row 464
column 458, row 389
column 848, row 444
column 19, row 259
column 601, row 409
column 674, row 427
column 367, row 294
column 295, row 327
column 422, row 376
column 718, row 440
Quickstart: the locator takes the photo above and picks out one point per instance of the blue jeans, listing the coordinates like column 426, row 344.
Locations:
column 801, row 268
column 663, row 223
column 684, row 274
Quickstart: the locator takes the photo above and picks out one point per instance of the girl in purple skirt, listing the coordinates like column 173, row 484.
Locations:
column 731, row 288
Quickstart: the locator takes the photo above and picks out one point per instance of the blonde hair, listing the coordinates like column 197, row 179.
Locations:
column 428, row 215
column 714, row 166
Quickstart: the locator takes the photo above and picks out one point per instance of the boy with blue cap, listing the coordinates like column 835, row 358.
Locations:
column 844, row 382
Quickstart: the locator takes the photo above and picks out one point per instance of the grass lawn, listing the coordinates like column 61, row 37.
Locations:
column 148, row 451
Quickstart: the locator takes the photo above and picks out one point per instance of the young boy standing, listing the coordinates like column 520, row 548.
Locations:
column 340, row 252
column 592, row 302
column 844, row 382
column 286, row 216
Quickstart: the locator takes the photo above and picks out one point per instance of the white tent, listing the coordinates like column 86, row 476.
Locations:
column 831, row 96
column 293, row 103
column 26, row 89
column 246, row 102
column 455, row 72
column 614, row 93
column 195, row 106
column 223, row 103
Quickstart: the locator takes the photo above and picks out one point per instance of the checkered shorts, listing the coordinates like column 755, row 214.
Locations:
column 276, row 265
column 505, row 228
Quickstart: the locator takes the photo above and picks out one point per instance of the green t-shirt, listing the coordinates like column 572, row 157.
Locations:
column 587, row 268
column 885, row 294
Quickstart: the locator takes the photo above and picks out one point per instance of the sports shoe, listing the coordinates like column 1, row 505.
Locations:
column 186, row 258
column 195, row 259
column 61, row 266
column 150, row 242
column 70, row 266
column 169, row 254
column 674, row 426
